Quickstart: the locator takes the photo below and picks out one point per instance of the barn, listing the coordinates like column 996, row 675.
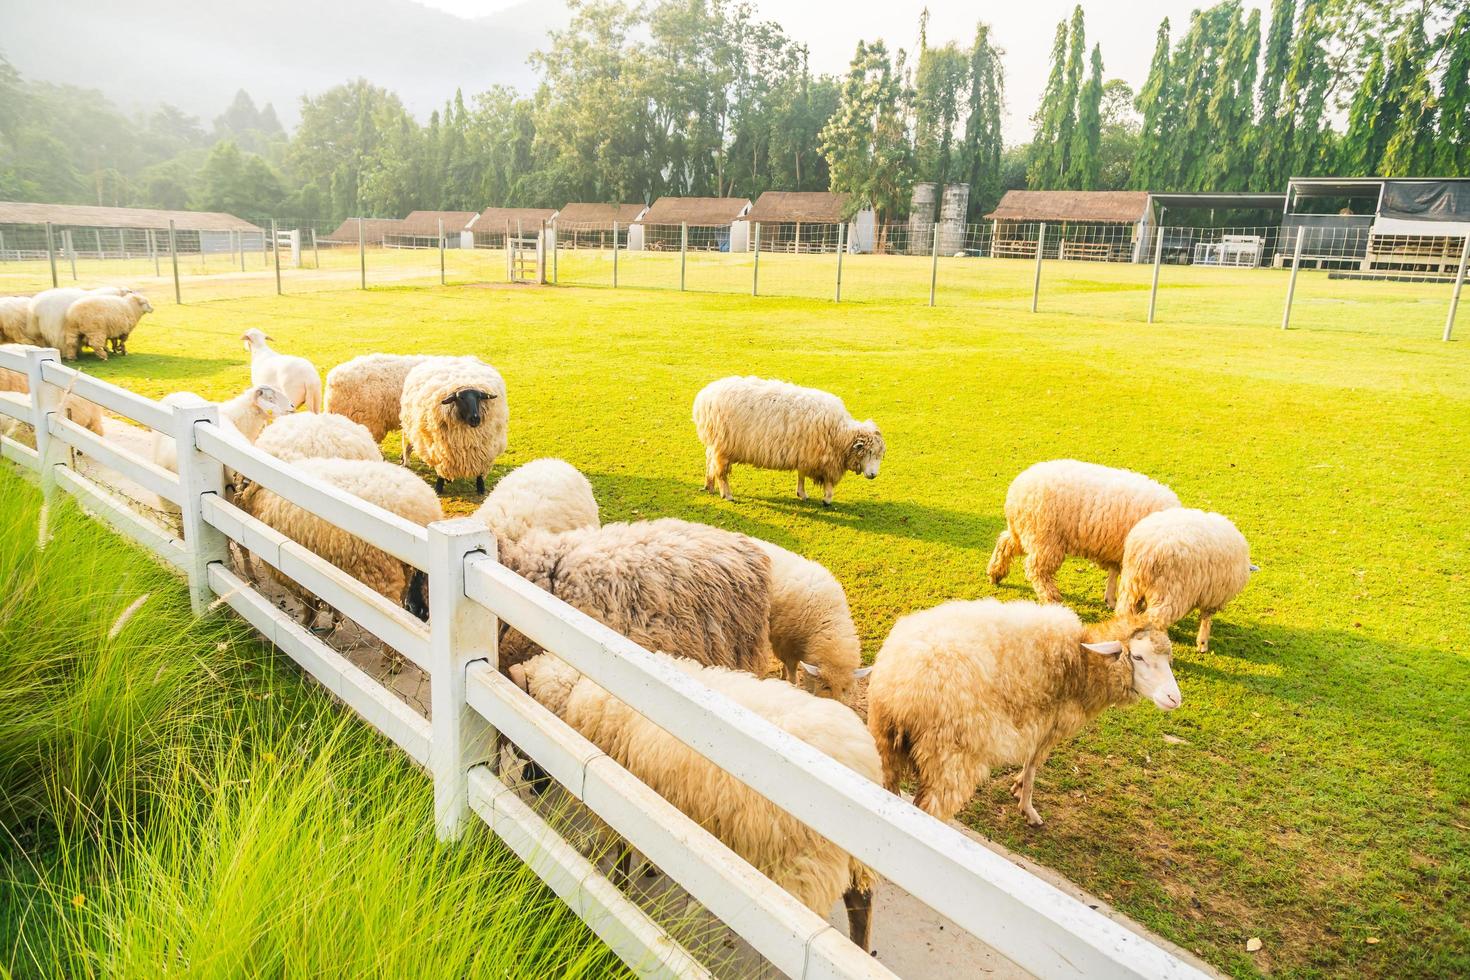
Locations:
column 111, row 233
column 1106, row 226
column 810, row 221
column 713, row 224
column 1377, row 225
column 373, row 231
column 421, row 229
column 591, row 225
column 491, row 226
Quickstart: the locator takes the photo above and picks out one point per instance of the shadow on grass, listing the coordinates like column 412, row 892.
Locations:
column 160, row 367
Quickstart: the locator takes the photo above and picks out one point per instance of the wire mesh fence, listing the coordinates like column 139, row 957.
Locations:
column 1318, row 272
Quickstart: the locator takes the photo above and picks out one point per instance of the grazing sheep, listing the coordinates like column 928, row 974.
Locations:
column 813, row 869
column 811, row 626
column 965, row 687
column 296, row 376
column 389, row 486
column 247, row 413
column 369, row 390
column 1065, row 507
column 455, row 417
column 46, row 321
column 1182, row 559
column 665, row 584
column 84, row 413
column 779, row 426
column 304, row 435
column 100, row 322
column 15, row 311
column 542, row 495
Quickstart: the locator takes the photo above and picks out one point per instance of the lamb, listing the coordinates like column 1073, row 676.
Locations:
column 968, row 686
column 247, row 413
column 391, row 487
column 304, row 435
column 544, row 494
column 665, row 584
column 1182, row 559
column 369, row 390
column 455, row 417
column 296, row 376
column 15, row 313
column 100, row 322
column 811, row 626
column 46, row 321
column 779, row 426
column 813, row 869
column 1065, row 507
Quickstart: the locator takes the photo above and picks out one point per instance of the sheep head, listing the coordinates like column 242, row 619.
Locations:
column 465, row 403
column 271, row 402
column 254, row 338
column 1147, row 656
column 140, row 303
column 865, row 449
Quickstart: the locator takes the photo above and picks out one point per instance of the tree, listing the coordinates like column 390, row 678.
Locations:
column 238, row 183
column 1118, row 145
column 1083, row 165
column 1271, row 129
column 1152, row 167
column 940, row 81
column 1072, row 86
column 984, row 144
column 1044, row 170
column 865, row 142
column 1453, row 140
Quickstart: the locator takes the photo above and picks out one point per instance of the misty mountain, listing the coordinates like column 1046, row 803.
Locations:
column 196, row 55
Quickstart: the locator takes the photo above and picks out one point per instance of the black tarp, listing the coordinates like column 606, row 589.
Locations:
column 1426, row 200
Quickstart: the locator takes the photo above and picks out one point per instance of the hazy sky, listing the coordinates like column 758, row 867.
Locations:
column 832, row 28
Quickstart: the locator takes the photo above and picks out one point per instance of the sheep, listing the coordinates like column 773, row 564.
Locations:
column 325, row 435
column 544, row 494
column 389, row 486
column 14, row 313
column 813, row 869
column 779, row 426
column 1065, row 507
column 1181, row 559
column 369, row 391
column 46, row 319
column 247, row 413
column 84, row 413
column 296, row 376
column 455, row 417
column 968, row 686
column 665, row 584
column 811, row 626
column 102, row 321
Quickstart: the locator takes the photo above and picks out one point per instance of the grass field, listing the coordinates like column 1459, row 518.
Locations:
column 1314, row 790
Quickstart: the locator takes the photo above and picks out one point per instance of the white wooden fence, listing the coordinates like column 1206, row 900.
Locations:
column 1039, row 927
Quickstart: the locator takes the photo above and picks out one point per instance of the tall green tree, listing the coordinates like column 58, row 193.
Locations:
column 1452, row 157
column 866, row 142
column 1071, row 89
column 1083, row 164
column 984, row 144
column 1269, row 146
column 1044, row 170
column 940, row 82
column 1157, row 102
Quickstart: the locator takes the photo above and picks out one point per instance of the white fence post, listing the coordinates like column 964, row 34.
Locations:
column 841, row 247
column 1153, row 289
column 615, row 255
column 461, row 632
column 934, row 265
column 199, row 474
column 51, row 254
column 1449, row 324
column 683, row 251
column 755, row 272
column 1296, row 263
column 275, row 252
column 45, row 400
column 1040, row 248
column 442, row 280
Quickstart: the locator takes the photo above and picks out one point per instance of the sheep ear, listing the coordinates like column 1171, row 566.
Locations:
column 448, row 401
column 1110, row 648
column 269, row 337
column 518, row 675
column 487, row 395
column 814, row 671
column 862, row 672
column 1255, row 568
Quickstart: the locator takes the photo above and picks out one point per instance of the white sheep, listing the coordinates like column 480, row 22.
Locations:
column 813, row 869
column 966, row 687
column 322, row 435
column 1181, row 559
column 369, row 391
column 296, row 376
column 811, row 625
column 779, row 426
column 455, row 417
column 46, row 319
column 15, row 313
column 102, row 322
column 1065, row 507
column 247, row 413
column 84, row 413
column 544, row 494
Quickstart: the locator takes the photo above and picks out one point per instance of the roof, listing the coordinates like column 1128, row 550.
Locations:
column 88, row 216
column 705, row 211
column 373, row 230
column 492, row 220
column 815, row 206
column 426, row 223
column 1103, row 206
column 1228, row 199
column 599, row 215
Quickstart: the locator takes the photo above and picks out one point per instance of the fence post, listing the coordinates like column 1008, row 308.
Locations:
column 683, row 251
column 275, row 251
column 615, row 255
column 51, row 253
column 1296, row 263
column 362, row 254
column 316, row 257
column 71, row 250
column 555, row 250
column 934, row 265
column 1449, row 323
column 45, row 400
column 841, row 247
column 461, row 632
column 153, row 247
column 755, row 275
column 1153, row 289
column 199, row 475
column 1040, row 248
column 173, row 255
column 442, row 280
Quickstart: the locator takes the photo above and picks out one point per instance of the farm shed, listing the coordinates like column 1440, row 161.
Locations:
column 716, row 224
column 1376, row 224
column 374, row 231
column 591, row 225
column 491, row 225
column 808, row 221
column 421, row 229
column 1105, row 226
column 1199, row 235
column 103, row 232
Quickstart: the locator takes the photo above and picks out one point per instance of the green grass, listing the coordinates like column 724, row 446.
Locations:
column 1321, row 796
column 173, row 801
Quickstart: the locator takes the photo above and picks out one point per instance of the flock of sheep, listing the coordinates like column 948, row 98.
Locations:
column 955, row 691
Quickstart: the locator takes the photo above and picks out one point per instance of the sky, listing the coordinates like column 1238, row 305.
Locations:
column 832, row 28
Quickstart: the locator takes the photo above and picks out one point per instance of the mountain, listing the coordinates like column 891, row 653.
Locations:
column 196, row 55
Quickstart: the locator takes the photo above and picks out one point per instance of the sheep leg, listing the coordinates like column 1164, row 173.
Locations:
column 1027, row 782
column 1041, row 571
column 722, row 476
column 1110, row 593
column 1202, row 642
column 709, row 469
column 1005, row 551
column 827, row 487
column 406, row 449
column 439, row 485
column 859, row 902
column 801, row 486
column 479, row 484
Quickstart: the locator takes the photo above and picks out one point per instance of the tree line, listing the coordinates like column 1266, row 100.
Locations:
column 699, row 97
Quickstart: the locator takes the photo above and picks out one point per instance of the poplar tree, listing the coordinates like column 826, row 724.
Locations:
column 1151, row 170
column 1269, row 144
column 1039, row 172
column 1452, row 156
column 1071, row 89
column 983, row 140
column 1082, row 165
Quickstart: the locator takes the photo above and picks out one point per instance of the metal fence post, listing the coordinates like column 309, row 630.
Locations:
column 362, row 253
column 755, row 274
column 934, row 265
column 173, row 255
column 51, row 253
column 1153, row 289
column 1449, row 323
column 199, row 476
column 615, row 255
column 275, row 251
column 461, row 632
column 153, row 247
column 316, row 256
column 45, row 401
column 442, row 280
column 1040, row 248
column 555, row 251
column 841, row 247
column 71, row 251
column 1296, row 263
column 683, row 251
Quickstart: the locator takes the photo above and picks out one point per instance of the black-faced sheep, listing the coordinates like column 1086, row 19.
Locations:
column 779, row 426
column 296, row 376
column 455, row 417
column 102, row 323
column 543, row 495
column 322, row 435
column 812, row 633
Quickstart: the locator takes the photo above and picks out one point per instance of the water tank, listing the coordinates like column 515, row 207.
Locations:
column 953, row 211
column 922, row 212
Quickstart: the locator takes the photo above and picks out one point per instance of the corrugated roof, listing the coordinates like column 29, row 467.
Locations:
column 1108, row 206
column 817, row 207
column 423, row 223
column 373, row 230
column 493, row 221
column 699, row 211
column 88, row 216
column 595, row 216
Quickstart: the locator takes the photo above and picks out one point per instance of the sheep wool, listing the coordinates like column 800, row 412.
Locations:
column 247, row 414
column 46, row 322
column 1183, row 559
column 775, row 425
column 15, row 314
column 965, row 687
column 369, row 390
column 296, row 376
column 1067, row 508
column 96, row 321
column 305, row 435
column 546, row 495
column 438, row 434
column 814, row 870
column 811, row 624
column 84, row 413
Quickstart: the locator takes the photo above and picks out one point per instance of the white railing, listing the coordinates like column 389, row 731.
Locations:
column 1040, row 928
